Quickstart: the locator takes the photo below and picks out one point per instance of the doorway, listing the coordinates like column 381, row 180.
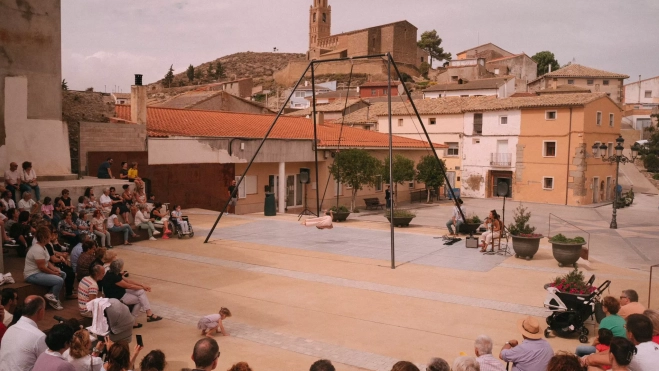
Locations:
column 450, row 180
column 293, row 191
column 608, row 188
column 595, row 187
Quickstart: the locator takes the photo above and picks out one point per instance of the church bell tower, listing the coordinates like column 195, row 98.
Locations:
column 320, row 23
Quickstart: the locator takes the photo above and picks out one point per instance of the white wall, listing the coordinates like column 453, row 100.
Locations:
column 183, row 150
column 476, row 157
column 459, row 93
column 631, row 91
column 45, row 143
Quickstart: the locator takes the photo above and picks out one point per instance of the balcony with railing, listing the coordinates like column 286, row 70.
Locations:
column 501, row 159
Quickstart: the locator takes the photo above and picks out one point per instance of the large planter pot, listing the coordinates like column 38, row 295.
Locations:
column 339, row 216
column 469, row 228
column 401, row 222
column 526, row 247
column 566, row 253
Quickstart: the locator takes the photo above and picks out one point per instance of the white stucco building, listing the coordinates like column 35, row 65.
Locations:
column 501, row 87
column 640, row 98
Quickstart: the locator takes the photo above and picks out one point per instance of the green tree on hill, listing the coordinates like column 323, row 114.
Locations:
column 431, row 42
column 544, row 60
column 219, row 71
column 190, row 73
column 169, row 77
column 210, row 70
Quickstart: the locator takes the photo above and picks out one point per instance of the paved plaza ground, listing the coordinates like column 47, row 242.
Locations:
column 299, row 294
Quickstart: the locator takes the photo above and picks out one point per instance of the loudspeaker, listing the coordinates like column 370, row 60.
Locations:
column 305, row 177
column 502, row 189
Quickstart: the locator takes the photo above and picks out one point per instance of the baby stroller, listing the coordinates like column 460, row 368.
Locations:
column 570, row 311
column 179, row 230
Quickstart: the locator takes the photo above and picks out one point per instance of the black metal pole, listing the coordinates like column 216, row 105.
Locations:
column 391, row 163
column 614, row 222
column 418, row 116
column 315, row 135
column 281, row 111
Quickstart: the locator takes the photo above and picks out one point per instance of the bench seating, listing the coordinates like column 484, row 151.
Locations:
column 373, row 203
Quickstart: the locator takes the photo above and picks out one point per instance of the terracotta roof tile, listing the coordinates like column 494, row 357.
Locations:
column 504, row 58
column 379, row 84
column 577, row 70
column 492, row 83
column 164, row 122
column 566, row 88
column 337, row 106
column 480, row 46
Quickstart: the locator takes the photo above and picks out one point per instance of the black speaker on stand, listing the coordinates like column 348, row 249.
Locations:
column 503, row 190
column 305, row 178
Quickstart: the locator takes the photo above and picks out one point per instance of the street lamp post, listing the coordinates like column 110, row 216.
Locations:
column 618, row 157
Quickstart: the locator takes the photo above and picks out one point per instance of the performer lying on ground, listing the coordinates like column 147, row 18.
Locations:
column 323, row 222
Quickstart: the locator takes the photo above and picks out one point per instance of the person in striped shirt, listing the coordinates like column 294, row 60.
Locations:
column 88, row 289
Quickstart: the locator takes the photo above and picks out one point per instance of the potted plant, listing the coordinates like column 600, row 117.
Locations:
column 402, row 218
column 566, row 250
column 572, row 283
column 471, row 224
column 525, row 242
column 339, row 214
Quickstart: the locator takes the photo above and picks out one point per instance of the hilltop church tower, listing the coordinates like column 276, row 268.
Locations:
column 320, row 23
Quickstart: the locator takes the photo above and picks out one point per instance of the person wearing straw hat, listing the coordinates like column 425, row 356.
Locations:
column 534, row 353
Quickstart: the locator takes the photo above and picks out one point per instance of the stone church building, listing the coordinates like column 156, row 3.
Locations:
column 398, row 38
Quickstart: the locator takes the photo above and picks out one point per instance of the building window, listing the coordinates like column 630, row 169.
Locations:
column 599, row 118
column 503, row 120
column 432, row 121
column 648, row 93
column 324, row 17
column 590, row 82
column 548, row 183
column 478, row 123
column 374, row 92
column 605, row 82
column 570, row 82
column 496, row 71
column 549, row 149
column 550, row 115
column 314, row 17
column 378, row 183
column 400, row 122
column 411, row 185
column 611, row 117
column 609, row 149
column 384, row 92
column 454, row 78
column 453, row 149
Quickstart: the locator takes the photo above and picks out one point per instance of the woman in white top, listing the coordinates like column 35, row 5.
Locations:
column 40, row 271
column 99, row 227
column 29, row 181
column 143, row 222
column 79, row 353
column 114, row 225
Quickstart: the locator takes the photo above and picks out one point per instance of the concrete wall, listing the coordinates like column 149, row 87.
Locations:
column 476, row 157
column 30, row 35
column 459, row 93
column 44, row 142
column 522, row 67
column 632, row 92
column 109, row 137
column 469, row 73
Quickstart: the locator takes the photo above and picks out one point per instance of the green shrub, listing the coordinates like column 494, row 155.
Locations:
column 560, row 238
column 474, row 220
column 340, row 209
column 651, row 163
column 400, row 213
column 655, row 176
column 520, row 226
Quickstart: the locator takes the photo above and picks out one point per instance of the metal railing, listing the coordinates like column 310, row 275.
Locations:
column 478, row 129
column 501, row 159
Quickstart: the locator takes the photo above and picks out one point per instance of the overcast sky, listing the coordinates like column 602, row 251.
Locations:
column 105, row 42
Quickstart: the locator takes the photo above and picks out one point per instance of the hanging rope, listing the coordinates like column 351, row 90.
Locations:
column 338, row 144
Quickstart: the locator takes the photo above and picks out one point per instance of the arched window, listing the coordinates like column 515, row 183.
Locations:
column 314, row 17
column 324, row 17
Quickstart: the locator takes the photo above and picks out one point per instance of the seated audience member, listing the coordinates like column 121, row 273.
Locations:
column 22, row 232
column 653, row 315
column 105, row 171
column 60, row 260
column 404, row 366
column 154, row 361
column 120, row 321
column 128, row 291
column 106, row 201
column 67, row 201
column 629, row 304
column 466, row 363
column 29, row 180
column 564, row 362
column 27, row 203
column 12, row 180
column 322, row 365
column 118, row 201
column 143, row 222
column 58, row 341
column 23, row 342
column 161, row 218
column 47, row 209
column 86, row 259
column 533, row 353
column 114, row 225
column 9, row 303
column 8, row 200
column 4, row 219
column 483, row 350
column 439, row 364
column 240, row 366
column 77, row 251
column 622, row 353
column 40, row 271
column 129, row 198
column 140, row 196
column 3, row 327
column 12, row 217
column 119, row 358
column 58, row 211
column 88, row 289
column 99, row 228
column 612, row 322
column 206, row 354
column 177, row 216
column 67, row 229
column 108, row 258
column 134, row 177
column 84, row 205
column 123, row 173
column 82, row 225
column 81, row 356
